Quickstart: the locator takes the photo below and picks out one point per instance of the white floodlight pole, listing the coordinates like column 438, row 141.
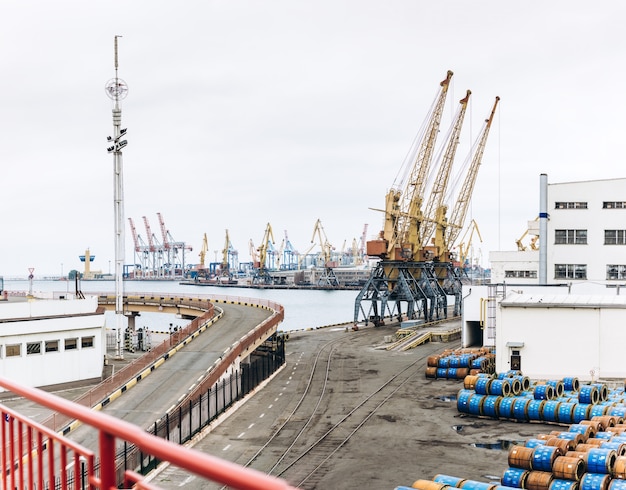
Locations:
column 117, row 90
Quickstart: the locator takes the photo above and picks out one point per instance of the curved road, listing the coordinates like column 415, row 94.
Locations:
column 149, row 399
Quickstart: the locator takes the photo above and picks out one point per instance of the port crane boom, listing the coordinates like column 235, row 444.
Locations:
column 435, row 213
column 459, row 212
column 403, row 214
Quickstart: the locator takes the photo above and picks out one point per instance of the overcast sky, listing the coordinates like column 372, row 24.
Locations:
column 244, row 113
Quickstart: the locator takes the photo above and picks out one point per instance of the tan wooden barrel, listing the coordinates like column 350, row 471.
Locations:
column 567, row 468
column 521, row 457
column 429, row 485
column 539, row 480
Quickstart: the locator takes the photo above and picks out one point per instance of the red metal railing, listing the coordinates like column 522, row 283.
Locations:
column 33, row 470
column 29, row 459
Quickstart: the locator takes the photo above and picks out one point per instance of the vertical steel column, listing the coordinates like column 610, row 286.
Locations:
column 543, row 229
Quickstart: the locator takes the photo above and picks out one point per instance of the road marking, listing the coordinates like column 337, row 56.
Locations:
column 270, row 406
column 276, row 399
column 250, row 426
column 262, row 415
column 240, row 435
column 226, row 448
column 186, row 480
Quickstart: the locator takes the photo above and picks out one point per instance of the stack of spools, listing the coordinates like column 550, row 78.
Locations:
column 458, row 363
column 563, row 401
column 589, row 456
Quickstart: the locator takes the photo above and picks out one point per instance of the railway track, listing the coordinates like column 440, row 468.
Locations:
column 304, row 441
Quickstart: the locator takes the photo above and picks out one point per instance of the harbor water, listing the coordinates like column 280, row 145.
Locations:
column 304, row 309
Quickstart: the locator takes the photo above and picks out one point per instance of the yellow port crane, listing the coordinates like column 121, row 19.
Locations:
column 436, row 208
column 466, row 242
column 459, row 212
column 410, row 271
column 261, row 274
column 400, row 238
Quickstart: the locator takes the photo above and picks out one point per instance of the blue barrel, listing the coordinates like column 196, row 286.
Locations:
column 618, row 446
column 618, row 411
column 551, row 411
column 476, row 485
column 535, row 409
column 543, row 392
column 598, row 410
column 544, row 456
column 583, row 429
column 502, row 487
column 581, row 412
column 569, row 435
column 476, row 404
column 490, row 406
column 501, row 387
column 601, row 460
column 462, row 400
column 571, row 384
column 617, row 484
column 516, row 386
column 594, row 481
column 524, row 381
column 603, row 435
column 444, row 362
column 558, row 386
column 452, row 373
column 505, row 410
column 520, row 409
column 566, row 413
column 588, row 394
column 453, row 481
column 603, row 391
column 558, row 484
column 482, row 386
column 534, row 442
column 514, row 477
column 454, row 362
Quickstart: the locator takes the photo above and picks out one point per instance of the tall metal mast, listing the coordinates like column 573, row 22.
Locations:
column 117, row 90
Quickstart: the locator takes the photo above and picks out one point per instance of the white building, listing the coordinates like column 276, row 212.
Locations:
column 556, row 310
column 48, row 342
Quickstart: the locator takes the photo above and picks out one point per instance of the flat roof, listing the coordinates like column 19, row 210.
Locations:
column 564, row 300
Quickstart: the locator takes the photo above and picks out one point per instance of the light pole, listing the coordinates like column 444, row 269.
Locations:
column 117, row 90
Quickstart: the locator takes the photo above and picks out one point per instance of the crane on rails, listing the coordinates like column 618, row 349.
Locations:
column 174, row 251
column 328, row 277
column 141, row 250
column 409, row 270
column 403, row 274
column 261, row 273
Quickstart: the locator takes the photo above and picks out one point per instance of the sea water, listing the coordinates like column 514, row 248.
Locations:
column 304, row 309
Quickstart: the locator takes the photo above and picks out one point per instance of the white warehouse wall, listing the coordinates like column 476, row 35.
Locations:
column 52, row 320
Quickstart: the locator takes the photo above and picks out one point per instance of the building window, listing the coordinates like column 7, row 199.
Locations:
column 71, row 344
column 614, row 205
column 52, row 345
column 86, row 342
column 570, row 205
column 33, row 348
column 615, row 237
column 570, row 237
column 615, row 271
column 14, row 350
column 570, row 271
column 521, row 274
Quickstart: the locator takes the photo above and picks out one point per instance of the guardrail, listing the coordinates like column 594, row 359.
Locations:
column 23, row 465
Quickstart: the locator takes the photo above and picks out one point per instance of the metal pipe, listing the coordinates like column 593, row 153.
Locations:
column 543, row 229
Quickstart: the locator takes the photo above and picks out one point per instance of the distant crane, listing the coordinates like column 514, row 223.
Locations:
column 328, row 277
column 261, row 273
column 172, row 248
column 142, row 252
column 466, row 243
